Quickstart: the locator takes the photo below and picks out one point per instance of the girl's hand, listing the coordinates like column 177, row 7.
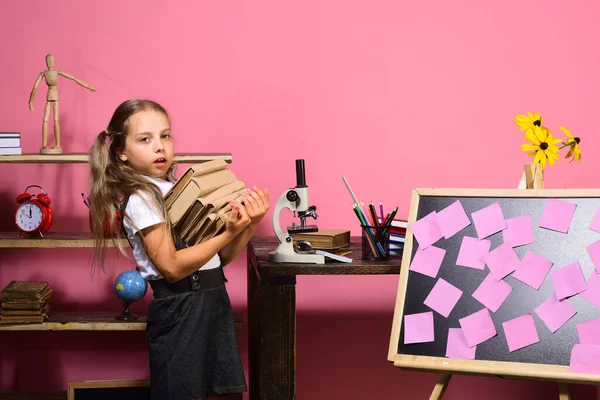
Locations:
column 238, row 219
column 257, row 204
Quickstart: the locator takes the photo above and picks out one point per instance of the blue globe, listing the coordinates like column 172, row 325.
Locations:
column 130, row 286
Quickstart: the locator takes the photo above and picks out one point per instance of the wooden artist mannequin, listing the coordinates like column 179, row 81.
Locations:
column 51, row 77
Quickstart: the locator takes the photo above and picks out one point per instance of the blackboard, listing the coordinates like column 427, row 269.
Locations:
column 109, row 389
column 547, row 359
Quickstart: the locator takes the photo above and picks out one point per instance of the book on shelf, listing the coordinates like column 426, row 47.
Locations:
column 324, row 238
column 25, row 302
column 198, row 204
column 10, row 143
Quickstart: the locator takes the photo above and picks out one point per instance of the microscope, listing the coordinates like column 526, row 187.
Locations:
column 296, row 200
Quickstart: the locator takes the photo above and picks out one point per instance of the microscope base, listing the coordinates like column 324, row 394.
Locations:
column 296, row 258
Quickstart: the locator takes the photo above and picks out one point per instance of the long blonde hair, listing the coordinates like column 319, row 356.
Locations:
column 113, row 180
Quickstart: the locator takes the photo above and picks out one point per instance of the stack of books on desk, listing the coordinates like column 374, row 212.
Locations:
column 25, row 302
column 198, row 203
column 397, row 236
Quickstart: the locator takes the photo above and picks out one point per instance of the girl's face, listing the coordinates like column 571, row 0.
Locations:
column 148, row 145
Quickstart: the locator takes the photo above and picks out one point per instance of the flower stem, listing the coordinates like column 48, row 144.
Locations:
column 569, row 144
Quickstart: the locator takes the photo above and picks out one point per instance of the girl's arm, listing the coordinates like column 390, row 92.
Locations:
column 256, row 202
column 174, row 264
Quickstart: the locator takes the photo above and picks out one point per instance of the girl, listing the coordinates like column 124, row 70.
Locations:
column 190, row 333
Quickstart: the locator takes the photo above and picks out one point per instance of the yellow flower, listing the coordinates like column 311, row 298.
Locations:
column 527, row 122
column 573, row 142
column 541, row 144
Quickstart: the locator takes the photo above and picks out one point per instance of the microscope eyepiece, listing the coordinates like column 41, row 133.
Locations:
column 300, row 175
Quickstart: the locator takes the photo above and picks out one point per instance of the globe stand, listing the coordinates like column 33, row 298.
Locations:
column 126, row 315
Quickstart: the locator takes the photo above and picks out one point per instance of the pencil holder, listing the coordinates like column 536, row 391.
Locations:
column 375, row 242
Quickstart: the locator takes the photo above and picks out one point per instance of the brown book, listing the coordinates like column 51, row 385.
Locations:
column 202, row 209
column 193, row 171
column 197, row 209
column 198, row 187
column 41, row 311
column 21, row 319
column 25, row 290
column 23, row 305
column 27, row 302
column 324, row 238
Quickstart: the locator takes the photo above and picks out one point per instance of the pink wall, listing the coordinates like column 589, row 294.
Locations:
column 393, row 94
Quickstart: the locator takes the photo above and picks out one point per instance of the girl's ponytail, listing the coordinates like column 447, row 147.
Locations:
column 102, row 195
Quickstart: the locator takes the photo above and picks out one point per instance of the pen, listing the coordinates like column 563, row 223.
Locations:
column 392, row 215
column 84, row 201
column 381, row 210
column 373, row 214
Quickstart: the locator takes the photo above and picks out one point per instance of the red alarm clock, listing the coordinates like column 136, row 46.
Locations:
column 33, row 215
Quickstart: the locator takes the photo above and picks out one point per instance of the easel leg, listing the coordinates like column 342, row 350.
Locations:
column 563, row 391
column 440, row 387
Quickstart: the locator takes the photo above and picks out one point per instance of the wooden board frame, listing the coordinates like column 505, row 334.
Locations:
column 527, row 371
column 108, row 384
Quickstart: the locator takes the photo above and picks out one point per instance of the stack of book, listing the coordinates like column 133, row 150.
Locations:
column 10, row 143
column 198, row 203
column 25, row 302
column 397, row 236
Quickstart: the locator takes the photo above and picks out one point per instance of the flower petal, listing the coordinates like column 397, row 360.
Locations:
column 566, row 132
column 528, row 147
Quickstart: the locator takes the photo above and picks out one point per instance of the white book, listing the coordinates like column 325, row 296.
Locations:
column 6, row 141
column 10, row 151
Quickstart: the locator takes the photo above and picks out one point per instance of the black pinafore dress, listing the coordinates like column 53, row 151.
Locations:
column 191, row 338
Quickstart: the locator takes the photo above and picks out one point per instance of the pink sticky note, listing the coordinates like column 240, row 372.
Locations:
column 472, row 252
column 452, row 219
column 592, row 294
column 594, row 252
column 418, row 328
column 555, row 313
column 428, row 261
column 595, row 224
column 585, row 359
column 557, row 215
column 568, row 281
column 488, row 220
column 533, row 269
column 492, row 293
column 426, row 230
column 520, row 332
column 443, row 297
column 478, row 327
column 457, row 346
column 519, row 231
column 502, row 261
column 589, row 332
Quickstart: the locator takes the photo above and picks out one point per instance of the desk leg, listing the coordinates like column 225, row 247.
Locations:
column 440, row 387
column 563, row 391
column 272, row 336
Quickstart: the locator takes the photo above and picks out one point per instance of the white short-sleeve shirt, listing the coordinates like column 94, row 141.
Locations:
column 143, row 213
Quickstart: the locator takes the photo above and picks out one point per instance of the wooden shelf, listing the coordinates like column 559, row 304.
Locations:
column 33, row 395
column 52, row 240
column 92, row 321
column 34, row 158
column 80, row 321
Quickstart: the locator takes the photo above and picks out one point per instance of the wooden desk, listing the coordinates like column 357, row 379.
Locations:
column 272, row 313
